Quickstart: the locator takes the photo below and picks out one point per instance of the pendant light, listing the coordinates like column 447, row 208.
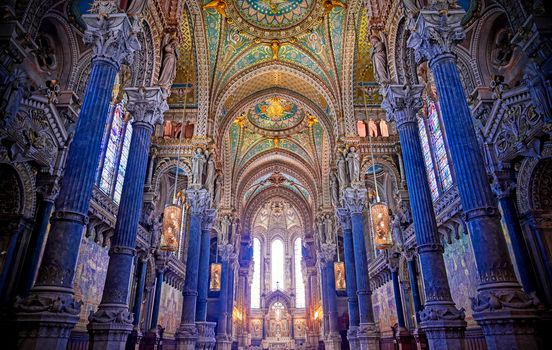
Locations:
column 215, row 270
column 379, row 211
column 339, row 269
column 172, row 214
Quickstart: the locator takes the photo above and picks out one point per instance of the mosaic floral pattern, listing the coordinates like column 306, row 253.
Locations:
column 276, row 113
column 271, row 14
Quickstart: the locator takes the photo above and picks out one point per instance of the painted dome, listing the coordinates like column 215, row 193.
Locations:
column 275, row 114
column 271, row 19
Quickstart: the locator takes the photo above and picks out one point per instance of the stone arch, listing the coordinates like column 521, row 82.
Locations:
column 278, row 296
column 165, row 165
column 26, row 177
column 390, row 166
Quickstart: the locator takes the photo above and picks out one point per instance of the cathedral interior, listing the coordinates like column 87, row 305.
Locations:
column 275, row 174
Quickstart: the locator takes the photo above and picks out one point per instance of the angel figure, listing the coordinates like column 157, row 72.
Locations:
column 170, row 58
column 329, row 5
column 219, row 5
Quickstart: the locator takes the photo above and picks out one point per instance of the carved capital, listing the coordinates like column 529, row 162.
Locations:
column 442, row 313
column 402, row 103
column 111, row 315
column 48, row 187
column 197, row 200
column 435, row 33
column 355, row 199
column 327, row 252
column 505, row 300
column 226, row 251
column 147, row 105
column 208, row 219
column 112, row 37
column 48, row 302
column 344, row 218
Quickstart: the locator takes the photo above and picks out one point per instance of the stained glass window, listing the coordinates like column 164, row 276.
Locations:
column 299, row 284
column 256, row 284
column 277, row 255
column 115, row 149
column 435, row 152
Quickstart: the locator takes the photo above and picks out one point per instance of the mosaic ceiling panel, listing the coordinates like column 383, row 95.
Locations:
column 276, row 114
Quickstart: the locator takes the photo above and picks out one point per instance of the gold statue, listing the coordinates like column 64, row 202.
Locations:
column 330, row 4
column 219, row 5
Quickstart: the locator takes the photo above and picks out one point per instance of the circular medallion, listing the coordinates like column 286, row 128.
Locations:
column 275, row 114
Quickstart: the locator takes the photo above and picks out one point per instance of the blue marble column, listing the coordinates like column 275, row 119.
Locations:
column 394, row 268
column 504, row 190
column 413, row 277
column 368, row 335
column 224, row 340
column 203, row 284
column 48, row 192
column 110, row 325
column 139, row 296
column 499, row 301
column 159, row 277
column 44, row 325
column 332, row 340
column 440, row 319
column 187, row 334
column 350, row 273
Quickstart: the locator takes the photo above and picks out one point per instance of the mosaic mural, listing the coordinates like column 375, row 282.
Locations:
column 90, row 278
column 384, row 307
column 276, row 113
column 462, row 276
column 170, row 309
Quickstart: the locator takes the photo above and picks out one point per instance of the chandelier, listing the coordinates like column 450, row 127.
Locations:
column 379, row 211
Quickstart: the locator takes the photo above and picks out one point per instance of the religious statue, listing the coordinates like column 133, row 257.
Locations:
column 379, row 59
column 219, row 6
column 198, row 164
column 396, row 231
column 334, row 188
column 535, row 81
column 156, row 233
column 170, row 58
column 168, row 129
column 210, row 177
column 218, row 190
column 136, row 7
column 275, row 46
column 341, row 171
column 353, row 163
column 329, row 5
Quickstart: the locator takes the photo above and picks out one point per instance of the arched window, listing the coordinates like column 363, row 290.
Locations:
column 435, row 152
column 256, row 285
column 115, row 148
column 277, row 256
column 299, row 284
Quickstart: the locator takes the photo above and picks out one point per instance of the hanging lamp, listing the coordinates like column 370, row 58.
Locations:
column 339, row 270
column 215, row 270
column 172, row 214
column 379, row 211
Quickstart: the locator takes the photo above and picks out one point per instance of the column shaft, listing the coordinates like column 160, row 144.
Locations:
column 413, row 276
column 350, row 272
column 398, row 299
column 35, row 246
column 332, row 298
column 203, row 284
column 137, row 309
column 192, row 265
column 157, row 298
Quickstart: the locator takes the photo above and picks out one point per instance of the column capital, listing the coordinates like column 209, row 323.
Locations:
column 147, row 105
column 112, row 37
column 402, row 103
column 209, row 218
column 354, row 199
column 48, row 187
column 344, row 218
column 327, row 252
column 197, row 200
column 435, row 33
column 226, row 251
